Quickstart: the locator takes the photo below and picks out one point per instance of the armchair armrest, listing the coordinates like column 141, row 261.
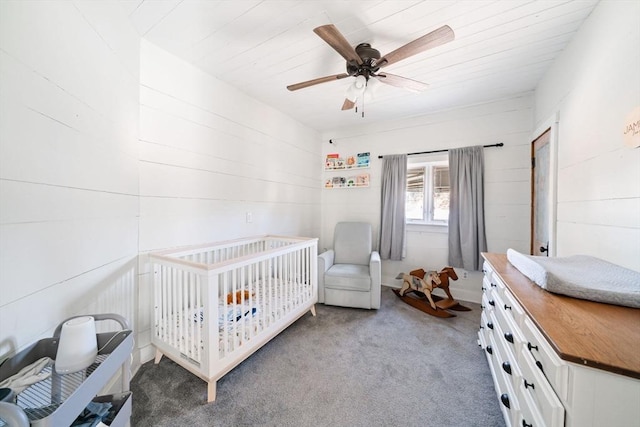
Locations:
column 375, row 270
column 325, row 261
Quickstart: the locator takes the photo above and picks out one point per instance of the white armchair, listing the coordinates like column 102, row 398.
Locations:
column 350, row 274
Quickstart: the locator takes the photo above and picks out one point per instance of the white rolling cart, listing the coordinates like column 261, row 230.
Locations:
column 60, row 399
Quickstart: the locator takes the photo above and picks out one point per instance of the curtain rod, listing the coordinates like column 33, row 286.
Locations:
column 499, row 144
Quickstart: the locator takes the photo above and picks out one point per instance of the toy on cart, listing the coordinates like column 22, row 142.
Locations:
column 417, row 288
column 40, row 395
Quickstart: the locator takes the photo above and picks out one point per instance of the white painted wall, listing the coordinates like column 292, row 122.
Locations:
column 209, row 155
column 594, row 85
column 507, row 176
column 68, row 165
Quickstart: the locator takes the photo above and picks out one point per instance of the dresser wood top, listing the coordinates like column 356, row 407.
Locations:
column 588, row 333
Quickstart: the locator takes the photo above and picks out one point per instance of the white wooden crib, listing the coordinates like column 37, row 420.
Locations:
column 216, row 304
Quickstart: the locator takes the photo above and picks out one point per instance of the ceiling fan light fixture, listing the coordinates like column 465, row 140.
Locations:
column 372, row 88
column 364, row 63
column 356, row 90
column 352, row 93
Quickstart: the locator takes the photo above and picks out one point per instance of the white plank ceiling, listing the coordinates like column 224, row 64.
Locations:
column 501, row 48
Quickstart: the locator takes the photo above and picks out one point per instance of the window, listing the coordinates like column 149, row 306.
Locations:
column 427, row 193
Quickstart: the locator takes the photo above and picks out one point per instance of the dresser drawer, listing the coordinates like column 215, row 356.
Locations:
column 511, row 332
column 497, row 284
column 482, row 339
column 546, row 359
column 488, row 286
column 507, row 397
column 508, row 353
column 512, row 307
column 536, row 386
column 529, row 415
column 484, row 328
column 488, row 322
column 487, row 269
column 488, row 303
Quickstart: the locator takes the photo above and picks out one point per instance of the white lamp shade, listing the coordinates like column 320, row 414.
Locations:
column 352, row 93
column 360, row 82
column 78, row 345
column 356, row 90
column 372, row 87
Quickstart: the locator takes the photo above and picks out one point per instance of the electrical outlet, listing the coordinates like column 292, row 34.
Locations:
column 464, row 275
column 249, row 217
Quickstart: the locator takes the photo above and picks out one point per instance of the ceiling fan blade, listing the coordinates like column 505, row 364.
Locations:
column 330, row 34
column 435, row 38
column 348, row 105
column 319, row 80
column 402, row 82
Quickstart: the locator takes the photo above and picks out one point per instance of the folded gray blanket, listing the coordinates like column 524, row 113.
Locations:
column 581, row 276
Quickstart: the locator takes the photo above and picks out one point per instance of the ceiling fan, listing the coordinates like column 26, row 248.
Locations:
column 364, row 62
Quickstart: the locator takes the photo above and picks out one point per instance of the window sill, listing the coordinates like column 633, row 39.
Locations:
column 433, row 227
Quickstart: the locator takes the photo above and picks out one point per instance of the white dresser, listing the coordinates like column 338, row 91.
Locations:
column 555, row 360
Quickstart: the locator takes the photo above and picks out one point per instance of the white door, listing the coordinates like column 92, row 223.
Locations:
column 540, row 187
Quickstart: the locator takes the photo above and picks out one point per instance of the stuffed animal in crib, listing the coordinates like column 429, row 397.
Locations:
column 421, row 281
column 238, row 298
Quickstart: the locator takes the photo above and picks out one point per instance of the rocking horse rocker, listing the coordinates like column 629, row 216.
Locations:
column 422, row 283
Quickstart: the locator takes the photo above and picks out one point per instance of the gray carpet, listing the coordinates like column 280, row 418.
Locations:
column 346, row 367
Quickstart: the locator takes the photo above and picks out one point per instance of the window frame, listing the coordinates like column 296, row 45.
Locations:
column 429, row 192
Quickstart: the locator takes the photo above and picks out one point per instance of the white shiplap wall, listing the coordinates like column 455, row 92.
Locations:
column 593, row 87
column 209, row 155
column 68, row 165
column 507, row 177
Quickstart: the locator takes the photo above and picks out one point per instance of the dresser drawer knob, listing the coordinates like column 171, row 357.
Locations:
column 484, row 289
column 507, row 307
column 489, row 349
column 527, row 385
column 492, row 303
column 507, row 367
column 505, row 400
column 493, row 285
column 539, row 365
column 532, row 347
column 524, row 424
column 489, row 325
column 509, row 337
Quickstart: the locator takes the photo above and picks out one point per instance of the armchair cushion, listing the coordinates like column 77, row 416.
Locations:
column 352, row 243
column 352, row 277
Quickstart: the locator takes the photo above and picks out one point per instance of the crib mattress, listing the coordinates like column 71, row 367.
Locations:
column 581, row 276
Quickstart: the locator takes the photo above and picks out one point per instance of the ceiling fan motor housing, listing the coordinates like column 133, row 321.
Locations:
column 369, row 57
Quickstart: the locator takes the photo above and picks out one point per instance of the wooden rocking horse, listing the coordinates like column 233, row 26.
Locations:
column 423, row 282
column 416, row 282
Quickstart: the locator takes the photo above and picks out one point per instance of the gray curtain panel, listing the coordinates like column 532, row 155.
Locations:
column 467, row 237
column 392, row 224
